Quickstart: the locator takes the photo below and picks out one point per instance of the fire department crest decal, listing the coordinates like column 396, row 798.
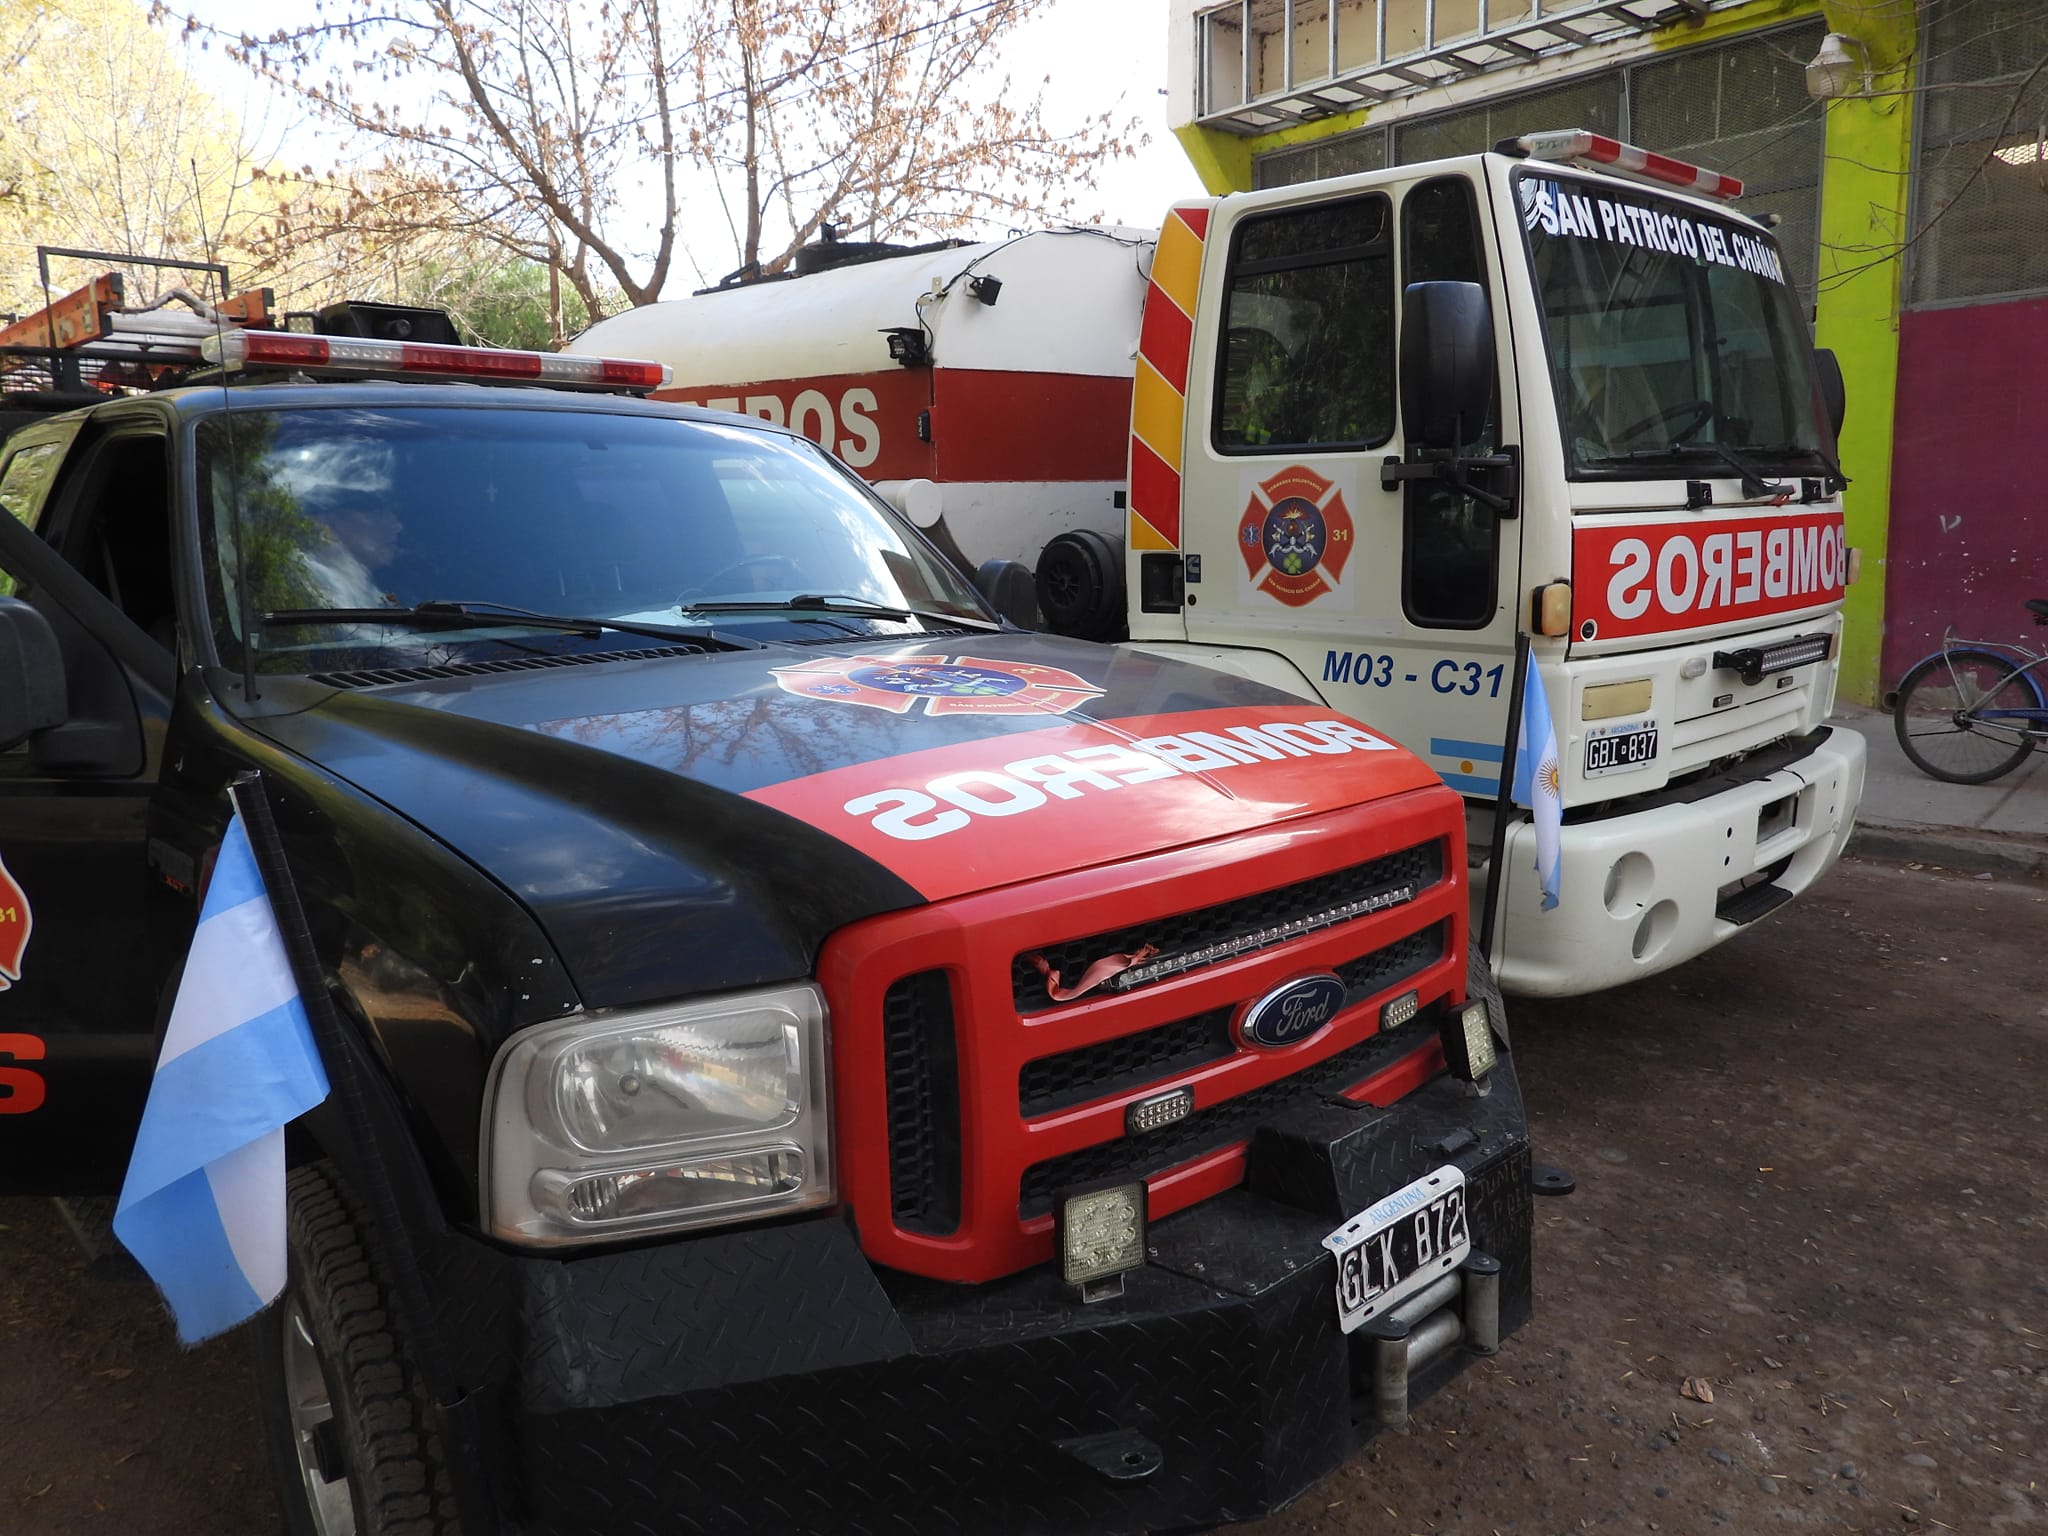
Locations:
column 958, row 685
column 15, row 926
column 1295, row 536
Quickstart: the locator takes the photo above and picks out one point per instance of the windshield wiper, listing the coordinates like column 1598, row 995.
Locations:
column 1754, row 484
column 442, row 614
column 818, row 602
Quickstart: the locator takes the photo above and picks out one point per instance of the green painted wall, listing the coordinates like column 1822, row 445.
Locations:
column 1862, row 222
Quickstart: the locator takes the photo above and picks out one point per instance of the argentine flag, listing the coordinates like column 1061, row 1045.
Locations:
column 203, row 1207
column 1538, row 783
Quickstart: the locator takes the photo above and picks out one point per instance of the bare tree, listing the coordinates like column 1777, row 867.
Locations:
column 568, row 133
column 881, row 118
column 521, row 123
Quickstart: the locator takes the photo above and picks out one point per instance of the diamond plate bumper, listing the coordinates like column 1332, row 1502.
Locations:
column 772, row 1380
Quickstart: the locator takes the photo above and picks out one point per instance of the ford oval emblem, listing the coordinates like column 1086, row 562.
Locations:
column 1290, row 1013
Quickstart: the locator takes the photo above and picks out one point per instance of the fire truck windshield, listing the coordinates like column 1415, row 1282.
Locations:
column 424, row 511
column 1677, row 344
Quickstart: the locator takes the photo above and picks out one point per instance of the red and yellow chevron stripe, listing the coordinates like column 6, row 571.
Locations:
column 1159, row 395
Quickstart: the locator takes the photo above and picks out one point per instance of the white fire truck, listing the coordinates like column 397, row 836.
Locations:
column 1383, row 424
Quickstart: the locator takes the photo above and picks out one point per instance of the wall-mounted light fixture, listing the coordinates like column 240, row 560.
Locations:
column 1834, row 68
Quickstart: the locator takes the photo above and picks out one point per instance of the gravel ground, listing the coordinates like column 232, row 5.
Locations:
column 1810, row 1170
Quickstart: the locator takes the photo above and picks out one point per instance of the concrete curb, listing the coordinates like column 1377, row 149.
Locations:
column 1952, row 848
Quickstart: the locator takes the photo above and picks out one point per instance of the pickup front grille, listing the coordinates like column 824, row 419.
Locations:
column 960, row 1113
column 1129, row 1061
column 1316, row 903
column 924, row 1103
column 1155, row 1055
column 1206, row 1130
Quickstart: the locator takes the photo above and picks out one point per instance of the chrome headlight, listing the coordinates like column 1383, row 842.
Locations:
column 654, row 1120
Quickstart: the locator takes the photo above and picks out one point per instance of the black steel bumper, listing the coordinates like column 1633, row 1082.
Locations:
column 772, row 1380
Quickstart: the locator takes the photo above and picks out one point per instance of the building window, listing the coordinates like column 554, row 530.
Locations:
column 1593, row 103
column 1743, row 109
column 1345, row 155
column 1980, row 211
column 1308, row 330
column 1737, row 107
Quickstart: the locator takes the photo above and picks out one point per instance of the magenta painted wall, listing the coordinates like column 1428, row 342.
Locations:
column 1969, row 523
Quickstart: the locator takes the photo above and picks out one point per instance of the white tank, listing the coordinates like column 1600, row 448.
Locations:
column 1010, row 428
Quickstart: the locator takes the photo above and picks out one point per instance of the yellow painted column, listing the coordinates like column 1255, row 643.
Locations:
column 1864, row 190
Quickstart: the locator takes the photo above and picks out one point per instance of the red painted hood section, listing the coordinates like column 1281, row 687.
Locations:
column 971, row 816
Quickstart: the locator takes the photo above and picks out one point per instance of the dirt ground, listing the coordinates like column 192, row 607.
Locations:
column 1810, row 1175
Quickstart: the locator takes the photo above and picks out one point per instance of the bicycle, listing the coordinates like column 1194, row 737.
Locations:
column 1975, row 709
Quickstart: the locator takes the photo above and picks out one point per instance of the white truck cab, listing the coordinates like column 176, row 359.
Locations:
column 1381, row 424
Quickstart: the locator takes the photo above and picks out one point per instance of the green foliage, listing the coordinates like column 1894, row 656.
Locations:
column 501, row 304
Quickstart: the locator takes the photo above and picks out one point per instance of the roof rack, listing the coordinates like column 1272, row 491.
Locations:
column 90, row 343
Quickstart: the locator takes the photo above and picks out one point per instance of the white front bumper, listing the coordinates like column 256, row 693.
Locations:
column 1638, row 893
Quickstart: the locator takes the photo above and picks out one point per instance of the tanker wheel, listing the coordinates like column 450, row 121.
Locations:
column 1081, row 585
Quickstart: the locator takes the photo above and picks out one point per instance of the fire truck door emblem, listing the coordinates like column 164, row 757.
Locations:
column 959, row 685
column 1295, row 536
column 15, row 923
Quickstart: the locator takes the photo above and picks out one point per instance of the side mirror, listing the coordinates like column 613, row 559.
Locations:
column 1446, row 364
column 1834, row 393
column 31, row 674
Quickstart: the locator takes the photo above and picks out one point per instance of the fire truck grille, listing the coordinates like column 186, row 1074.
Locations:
column 1239, row 927
column 1131, row 1061
column 924, row 1103
column 1207, row 1130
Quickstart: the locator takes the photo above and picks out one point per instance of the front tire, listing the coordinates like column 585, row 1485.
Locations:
column 346, row 1424
column 1933, row 701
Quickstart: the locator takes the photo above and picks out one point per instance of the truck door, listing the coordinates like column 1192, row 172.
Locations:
column 79, row 974
column 1398, row 602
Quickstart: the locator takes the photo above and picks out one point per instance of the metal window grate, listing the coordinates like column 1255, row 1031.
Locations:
column 1980, row 208
column 1261, row 65
column 1739, row 107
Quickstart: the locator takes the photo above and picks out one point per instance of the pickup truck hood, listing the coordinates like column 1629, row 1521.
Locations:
column 683, row 823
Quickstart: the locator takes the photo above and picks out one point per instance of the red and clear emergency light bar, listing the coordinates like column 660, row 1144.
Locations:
column 1581, row 147
column 353, row 354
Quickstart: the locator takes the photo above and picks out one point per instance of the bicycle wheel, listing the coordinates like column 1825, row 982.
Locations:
column 1934, row 716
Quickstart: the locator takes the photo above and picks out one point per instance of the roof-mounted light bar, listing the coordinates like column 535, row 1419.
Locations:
column 1581, row 147
column 351, row 354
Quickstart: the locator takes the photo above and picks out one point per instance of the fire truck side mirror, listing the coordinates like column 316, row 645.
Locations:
column 1834, row 394
column 1446, row 364
column 31, row 674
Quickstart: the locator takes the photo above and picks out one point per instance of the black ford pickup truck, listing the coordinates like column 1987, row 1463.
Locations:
column 807, row 1054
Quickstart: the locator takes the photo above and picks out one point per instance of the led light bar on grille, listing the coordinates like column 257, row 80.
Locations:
column 352, row 354
column 1580, row 145
column 1209, row 954
column 1755, row 663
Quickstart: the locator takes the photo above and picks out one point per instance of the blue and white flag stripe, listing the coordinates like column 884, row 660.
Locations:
column 1539, row 784
column 1481, row 777
column 203, row 1206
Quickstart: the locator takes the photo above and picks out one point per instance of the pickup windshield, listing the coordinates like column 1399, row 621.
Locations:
column 1671, row 335
column 332, row 514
